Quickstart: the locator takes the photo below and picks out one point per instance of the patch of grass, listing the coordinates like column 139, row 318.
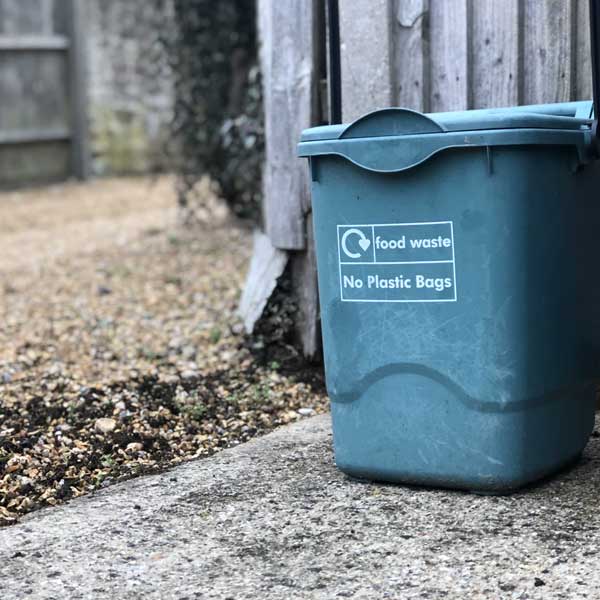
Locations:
column 108, row 461
column 260, row 393
column 120, row 271
column 98, row 478
column 173, row 280
column 173, row 239
column 196, row 411
column 215, row 335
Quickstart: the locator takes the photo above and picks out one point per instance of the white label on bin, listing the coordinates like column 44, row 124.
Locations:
column 397, row 262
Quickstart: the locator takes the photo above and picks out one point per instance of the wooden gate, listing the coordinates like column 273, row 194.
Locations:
column 43, row 121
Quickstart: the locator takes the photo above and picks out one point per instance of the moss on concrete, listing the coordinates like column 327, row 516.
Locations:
column 120, row 142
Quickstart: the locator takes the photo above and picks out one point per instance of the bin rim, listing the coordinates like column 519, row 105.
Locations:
column 393, row 140
column 402, row 121
column 393, row 154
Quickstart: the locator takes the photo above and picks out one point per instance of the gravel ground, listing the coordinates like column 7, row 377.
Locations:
column 274, row 519
column 120, row 352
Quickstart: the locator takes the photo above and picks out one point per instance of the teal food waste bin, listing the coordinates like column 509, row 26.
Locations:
column 458, row 273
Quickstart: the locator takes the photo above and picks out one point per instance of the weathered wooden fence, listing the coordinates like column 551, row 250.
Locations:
column 42, row 92
column 429, row 55
column 442, row 55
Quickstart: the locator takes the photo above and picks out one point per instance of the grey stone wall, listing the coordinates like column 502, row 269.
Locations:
column 130, row 87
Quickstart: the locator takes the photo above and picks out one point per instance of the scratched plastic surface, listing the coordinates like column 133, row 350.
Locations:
column 459, row 295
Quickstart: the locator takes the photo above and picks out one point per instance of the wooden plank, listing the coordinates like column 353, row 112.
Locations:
column 34, row 42
column 547, row 56
column 29, row 136
column 366, row 56
column 266, row 266
column 265, row 46
column 33, row 163
column 495, row 53
column 304, row 284
column 33, row 88
column 411, row 54
column 78, row 89
column 263, row 18
column 47, row 16
column 291, row 91
column 23, row 16
column 583, row 77
column 60, row 17
column 290, row 34
column 449, row 55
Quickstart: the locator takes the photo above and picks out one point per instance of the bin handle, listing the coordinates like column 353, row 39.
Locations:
column 334, row 63
column 391, row 121
column 595, row 50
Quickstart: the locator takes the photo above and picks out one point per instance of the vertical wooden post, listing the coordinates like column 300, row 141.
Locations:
column 304, row 280
column 78, row 88
column 290, row 56
column 289, row 76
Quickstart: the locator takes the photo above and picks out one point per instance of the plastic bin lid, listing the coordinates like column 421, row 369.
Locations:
column 406, row 138
column 402, row 121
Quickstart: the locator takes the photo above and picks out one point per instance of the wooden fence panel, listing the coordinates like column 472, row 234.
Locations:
column 43, row 124
column 33, row 88
column 18, row 17
column 459, row 54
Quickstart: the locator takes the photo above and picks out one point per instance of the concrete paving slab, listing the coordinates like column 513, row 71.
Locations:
column 274, row 519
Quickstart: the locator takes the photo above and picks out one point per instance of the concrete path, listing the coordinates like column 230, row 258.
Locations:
column 274, row 519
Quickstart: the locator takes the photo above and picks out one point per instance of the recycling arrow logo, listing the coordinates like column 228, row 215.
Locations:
column 363, row 242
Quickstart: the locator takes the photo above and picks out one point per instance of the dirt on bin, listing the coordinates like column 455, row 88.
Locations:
column 120, row 350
